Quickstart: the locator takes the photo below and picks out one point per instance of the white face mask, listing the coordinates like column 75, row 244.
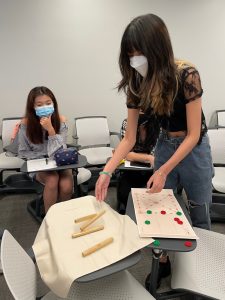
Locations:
column 140, row 64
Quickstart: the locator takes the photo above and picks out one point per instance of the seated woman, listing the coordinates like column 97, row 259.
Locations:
column 143, row 151
column 42, row 132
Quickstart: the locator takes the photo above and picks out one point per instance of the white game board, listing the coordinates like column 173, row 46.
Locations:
column 160, row 215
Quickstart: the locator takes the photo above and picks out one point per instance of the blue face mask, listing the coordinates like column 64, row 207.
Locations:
column 44, row 111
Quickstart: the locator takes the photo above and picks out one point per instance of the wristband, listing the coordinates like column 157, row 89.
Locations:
column 161, row 174
column 105, row 173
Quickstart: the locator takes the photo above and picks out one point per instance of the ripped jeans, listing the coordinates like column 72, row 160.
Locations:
column 194, row 173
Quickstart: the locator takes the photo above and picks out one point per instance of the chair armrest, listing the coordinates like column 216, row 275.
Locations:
column 75, row 137
column 115, row 133
column 219, row 165
column 74, row 146
column 216, row 127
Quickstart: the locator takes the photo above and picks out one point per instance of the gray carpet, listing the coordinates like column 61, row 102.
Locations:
column 15, row 218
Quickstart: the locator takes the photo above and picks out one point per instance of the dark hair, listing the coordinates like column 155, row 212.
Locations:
column 149, row 35
column 151, row 125
column 34, row 129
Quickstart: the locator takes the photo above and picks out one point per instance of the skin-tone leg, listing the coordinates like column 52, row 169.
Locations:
column 51, row 180
column 65, row 185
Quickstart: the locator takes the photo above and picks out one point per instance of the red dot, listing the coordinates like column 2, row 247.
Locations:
column 180, row 222
column 176, row 219
column 188, row 244
column 163, row 212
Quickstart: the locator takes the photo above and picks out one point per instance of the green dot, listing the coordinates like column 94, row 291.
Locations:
column 149, row 212
column 156, row 243
column 147, row 222
column 179, row 213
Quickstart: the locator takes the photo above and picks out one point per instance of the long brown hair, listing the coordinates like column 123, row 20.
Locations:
column 34, row 130
column 148, row 35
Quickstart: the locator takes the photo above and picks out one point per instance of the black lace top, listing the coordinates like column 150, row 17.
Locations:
column 189, row 89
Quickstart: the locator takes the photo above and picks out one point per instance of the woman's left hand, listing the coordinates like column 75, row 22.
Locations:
column 156, row 182
column 46, row 123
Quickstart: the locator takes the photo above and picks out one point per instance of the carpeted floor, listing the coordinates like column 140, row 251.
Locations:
column 15, row 218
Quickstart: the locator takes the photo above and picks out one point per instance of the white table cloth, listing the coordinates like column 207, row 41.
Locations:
column 59, row 257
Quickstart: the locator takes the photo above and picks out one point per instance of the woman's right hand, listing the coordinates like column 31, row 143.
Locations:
column 101, row 187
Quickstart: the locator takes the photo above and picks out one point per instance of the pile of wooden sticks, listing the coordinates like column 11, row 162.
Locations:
column 85, row 229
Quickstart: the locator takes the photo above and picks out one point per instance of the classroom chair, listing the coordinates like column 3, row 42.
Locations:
column 93, row 139
column 92, row 136
column 217, row 143
column 19, row 182
column 201, row 272
column 20, row 275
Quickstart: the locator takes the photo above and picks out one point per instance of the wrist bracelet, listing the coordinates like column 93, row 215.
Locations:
column 105, row 173
column 161, row 174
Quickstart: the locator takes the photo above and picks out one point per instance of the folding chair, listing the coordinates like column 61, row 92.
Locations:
column 20, row 275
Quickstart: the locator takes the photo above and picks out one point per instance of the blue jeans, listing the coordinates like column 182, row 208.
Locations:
column 194, row 173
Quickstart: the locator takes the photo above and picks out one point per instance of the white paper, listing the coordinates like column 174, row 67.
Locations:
column 127, row 164
column 160, row 215
column 34, row 165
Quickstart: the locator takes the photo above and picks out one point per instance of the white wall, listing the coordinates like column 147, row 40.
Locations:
column 72, row 47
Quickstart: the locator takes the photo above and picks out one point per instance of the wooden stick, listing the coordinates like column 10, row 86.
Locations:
column 97, row 247
column 85, row 218
column 93, row 229
column 82, row 227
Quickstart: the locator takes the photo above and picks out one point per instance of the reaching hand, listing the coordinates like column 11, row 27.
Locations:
column 46, row 123
column 156, row 182
column 101, row 187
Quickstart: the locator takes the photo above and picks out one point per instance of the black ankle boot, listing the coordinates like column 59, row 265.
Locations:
column 164, row 271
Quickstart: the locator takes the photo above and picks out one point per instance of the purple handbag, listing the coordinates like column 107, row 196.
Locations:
column 66, row 156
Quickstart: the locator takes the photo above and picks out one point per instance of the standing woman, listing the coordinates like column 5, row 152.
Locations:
column 42, row 132
column 155, row 82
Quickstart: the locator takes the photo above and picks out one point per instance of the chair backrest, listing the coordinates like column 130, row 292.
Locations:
column 220, row 118
column 8, row 125
column 217, row 143
column 92, row 131
column 18, row 268
column 217, row 119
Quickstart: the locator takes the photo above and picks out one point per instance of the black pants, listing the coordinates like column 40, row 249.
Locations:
column 127, row 180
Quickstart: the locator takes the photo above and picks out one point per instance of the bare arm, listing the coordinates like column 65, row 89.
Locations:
column 193, row 112
column 127, row 142
column 142, row 157
column 121, row 151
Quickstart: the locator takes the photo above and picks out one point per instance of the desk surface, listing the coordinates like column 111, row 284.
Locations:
column 82, row 161
column 165, row 243
column 122, row 167
column 121, row 265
